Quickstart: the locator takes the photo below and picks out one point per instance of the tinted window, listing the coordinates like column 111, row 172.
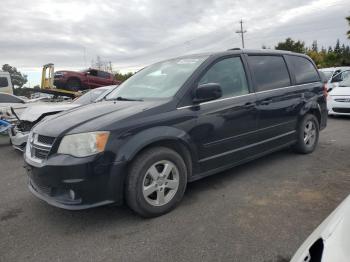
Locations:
column 93, row 72
column 270, row 72
column 304, row 70
column 5, row 98
column 3, row 82
column 229, row 73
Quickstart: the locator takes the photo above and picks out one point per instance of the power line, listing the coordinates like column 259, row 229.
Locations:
column 241, row 32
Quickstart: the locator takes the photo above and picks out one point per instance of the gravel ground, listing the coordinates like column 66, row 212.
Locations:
column 261, row 211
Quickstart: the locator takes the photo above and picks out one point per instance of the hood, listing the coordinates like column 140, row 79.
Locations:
column 340, row 91
column 334, row 231
column 92, row 117
column 34, row 112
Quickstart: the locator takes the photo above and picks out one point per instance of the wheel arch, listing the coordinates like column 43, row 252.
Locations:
column 170, row 137
column 313, row 108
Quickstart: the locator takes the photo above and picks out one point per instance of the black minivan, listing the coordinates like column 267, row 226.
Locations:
column 174, row 122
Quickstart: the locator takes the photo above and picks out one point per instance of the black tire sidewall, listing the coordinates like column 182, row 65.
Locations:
column 71, row 86
column 137, row 176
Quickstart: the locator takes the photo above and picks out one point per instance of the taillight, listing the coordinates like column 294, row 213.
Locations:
column 325, row 92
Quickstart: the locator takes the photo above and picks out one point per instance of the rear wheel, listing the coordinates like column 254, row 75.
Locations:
column 308, row 134
column 73, row 85
column 156, row 182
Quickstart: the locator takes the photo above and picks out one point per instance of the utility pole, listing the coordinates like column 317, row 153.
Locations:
column 241, row 32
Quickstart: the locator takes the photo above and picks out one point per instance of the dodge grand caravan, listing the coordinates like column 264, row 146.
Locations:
column 172, row 123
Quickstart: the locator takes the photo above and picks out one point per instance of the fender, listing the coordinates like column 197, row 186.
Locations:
column 156, row 134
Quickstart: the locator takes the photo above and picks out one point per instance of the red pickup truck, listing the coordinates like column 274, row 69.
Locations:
column 87, row 79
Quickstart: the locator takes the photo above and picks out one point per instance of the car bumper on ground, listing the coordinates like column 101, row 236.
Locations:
column 338, row 108
column 18, row 139
column 76, row 183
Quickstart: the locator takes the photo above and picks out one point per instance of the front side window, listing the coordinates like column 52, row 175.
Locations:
column 230, row 75
column 4, row 82
column 304, row 70
column 161, row 80
column 269, row 72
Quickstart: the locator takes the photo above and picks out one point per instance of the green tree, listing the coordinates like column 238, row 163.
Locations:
column 314, row 46
column 18, row 79
column 290, row 45
column 122, row 77
column 348, row 33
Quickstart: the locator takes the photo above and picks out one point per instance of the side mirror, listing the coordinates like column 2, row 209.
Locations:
column 207, row 92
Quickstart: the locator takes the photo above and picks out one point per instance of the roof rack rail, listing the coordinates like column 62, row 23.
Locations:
column 231, row 49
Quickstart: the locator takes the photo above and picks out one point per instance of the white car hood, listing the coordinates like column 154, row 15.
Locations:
column 34, row 112
column 340, row 91
column 335, row 234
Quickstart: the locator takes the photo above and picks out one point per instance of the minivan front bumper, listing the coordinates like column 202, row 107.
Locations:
column 76, row 183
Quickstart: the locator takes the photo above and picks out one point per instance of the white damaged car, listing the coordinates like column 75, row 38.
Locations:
column 330, row 242
column 35, row 113
column 338, row 101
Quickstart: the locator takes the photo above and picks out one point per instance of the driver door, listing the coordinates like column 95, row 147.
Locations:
column 226, row 126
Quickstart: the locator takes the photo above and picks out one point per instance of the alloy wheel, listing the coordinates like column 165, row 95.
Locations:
column 309, row 133
column 160, row 183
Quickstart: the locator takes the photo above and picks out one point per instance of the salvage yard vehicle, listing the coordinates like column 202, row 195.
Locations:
column 7, row 101
column 334, row 75
column 86, row 79
column 175, row 122
column 331, row 240
column 5, row 83
column 36, row 113
column 339, row 99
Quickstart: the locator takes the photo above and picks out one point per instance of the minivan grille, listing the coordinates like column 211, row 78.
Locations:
column 40, row 146
column 48, row 140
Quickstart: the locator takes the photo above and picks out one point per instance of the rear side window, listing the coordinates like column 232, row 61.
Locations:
column 230, row 75
column 304, row 70
column 4, row 82
column 270, row 72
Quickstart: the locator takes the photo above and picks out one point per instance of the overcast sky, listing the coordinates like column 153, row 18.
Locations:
column 135, row 33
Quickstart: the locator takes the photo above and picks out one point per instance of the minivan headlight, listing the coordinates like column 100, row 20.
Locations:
column 84, row 144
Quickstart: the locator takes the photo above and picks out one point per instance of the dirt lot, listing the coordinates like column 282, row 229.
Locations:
column 261, row 211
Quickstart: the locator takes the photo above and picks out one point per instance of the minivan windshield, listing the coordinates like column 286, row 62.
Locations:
column 89, row 97
column 346, row 79
column 160, row 80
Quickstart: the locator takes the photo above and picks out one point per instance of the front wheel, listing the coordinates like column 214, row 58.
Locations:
column 73, row 85
column 307, row 135
column 156, row 182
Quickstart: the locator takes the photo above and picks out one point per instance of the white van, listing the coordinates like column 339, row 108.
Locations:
column 5, row 83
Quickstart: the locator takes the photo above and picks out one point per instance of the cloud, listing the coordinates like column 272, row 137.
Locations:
column 135, row 33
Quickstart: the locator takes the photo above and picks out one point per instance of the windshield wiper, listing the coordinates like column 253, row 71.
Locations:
column 120, row 98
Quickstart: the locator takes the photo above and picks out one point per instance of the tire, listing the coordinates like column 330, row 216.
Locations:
column 308, row 127
column 73, row 85
column 145, row 185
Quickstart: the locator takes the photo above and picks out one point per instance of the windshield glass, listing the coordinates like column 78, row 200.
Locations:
column 328, row 74
column 89, row 97
column 346, row 79
column 161, row 80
